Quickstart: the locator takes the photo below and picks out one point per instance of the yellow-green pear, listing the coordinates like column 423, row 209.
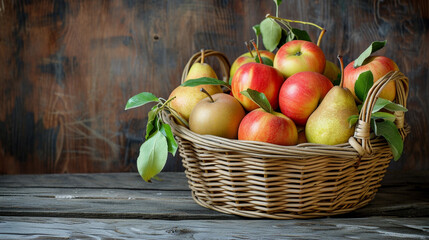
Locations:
column 188, row 97
column 199, row 70
column 332, row 71
column 328, row 123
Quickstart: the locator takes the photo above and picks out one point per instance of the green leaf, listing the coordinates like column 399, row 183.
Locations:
column 352, row 120
column 278, row 2
column 151, row 126
column 271, row 33
column 389, row 131
column 283, row 38
column 363, row 84
column 265, row 61
column 375, row 46
column 259, row 98
column 140, row 100
column 301, row 34
column 257, row 29
column 203, row 81
column 153, row 156
column 230, row 80
column 290, row 36
column 383, row 115
column 388, row 105
column 171, row 141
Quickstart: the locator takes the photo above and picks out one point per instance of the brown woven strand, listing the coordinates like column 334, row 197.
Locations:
column 262, row 180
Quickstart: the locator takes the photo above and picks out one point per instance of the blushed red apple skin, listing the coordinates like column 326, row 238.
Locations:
column 276, row 128
column 299, row 56
column 259, row 77
column 379, row 66
column 301, row 93
column 246, row 58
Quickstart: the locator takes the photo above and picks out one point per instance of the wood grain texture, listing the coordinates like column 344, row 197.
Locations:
column 124, row 195
column 121, row 206
column 68, row 68
column 79, row 228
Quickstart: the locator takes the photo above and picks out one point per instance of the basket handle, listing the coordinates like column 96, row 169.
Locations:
column 361, row 139
column 223, row 61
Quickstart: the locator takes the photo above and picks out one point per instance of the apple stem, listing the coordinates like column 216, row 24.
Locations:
column 257, row 51
column 340, row 58
column 202, row 56
column 207, row 93
column 248, row 48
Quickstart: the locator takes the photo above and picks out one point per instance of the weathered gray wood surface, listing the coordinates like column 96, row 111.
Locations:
column 122, row 206
column 327, row 228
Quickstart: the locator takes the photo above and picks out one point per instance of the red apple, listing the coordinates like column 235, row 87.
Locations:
column 247, row 57
column 276, row 128
column 218, row 115
column 379, row 66
column 301, row 93
column 259, row 77
column 299, row 56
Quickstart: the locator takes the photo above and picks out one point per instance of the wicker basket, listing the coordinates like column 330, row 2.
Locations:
column 262, row 180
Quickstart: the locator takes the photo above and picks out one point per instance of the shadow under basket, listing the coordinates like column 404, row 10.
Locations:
column 262, row 180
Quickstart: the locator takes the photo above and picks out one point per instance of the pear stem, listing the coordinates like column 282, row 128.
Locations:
column 257, row 51
column 320, row 37
column 207, row 93
column 301, row 22
column 248, row 48
column 202, row 56
column 340, row 58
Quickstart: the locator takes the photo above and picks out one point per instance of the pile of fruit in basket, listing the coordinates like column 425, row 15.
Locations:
column 289, row 97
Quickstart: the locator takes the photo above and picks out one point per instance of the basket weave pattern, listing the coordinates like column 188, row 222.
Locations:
column 262, row 180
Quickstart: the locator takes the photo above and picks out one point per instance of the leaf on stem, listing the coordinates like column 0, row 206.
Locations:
column 301, row 34
column 271, row 33
column 152, row 119
column 363, row 84
column 375, row 46
column 203, row 81
column 265, row 61
column 153, row 156
column 383, row 115
column 388, row 105
column 140, row 100
column 352, row 120
column 171, row 141
column 257, row 29
column 389, row 131
column 259, row 98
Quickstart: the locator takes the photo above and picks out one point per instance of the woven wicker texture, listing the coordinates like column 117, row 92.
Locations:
column 262, row 180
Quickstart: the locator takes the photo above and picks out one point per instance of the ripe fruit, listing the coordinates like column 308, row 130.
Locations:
column 188, row 97
column 332, row 71
column 301, row 93
column 218, row 115
column 276, row 128
column 247, row 57
column 379, row 66
column 299, row 56
column 328, row 124
column 259, row 77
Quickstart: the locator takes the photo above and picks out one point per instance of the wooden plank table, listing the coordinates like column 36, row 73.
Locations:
column 123, row 206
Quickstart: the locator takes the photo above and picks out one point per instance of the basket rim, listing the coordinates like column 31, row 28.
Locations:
column 269, row 150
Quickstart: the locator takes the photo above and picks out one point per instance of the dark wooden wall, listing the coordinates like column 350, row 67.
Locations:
column 67, row 69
